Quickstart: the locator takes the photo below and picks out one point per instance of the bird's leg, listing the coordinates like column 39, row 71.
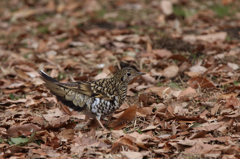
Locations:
column 87, row 123
column 81, row 126
column 100, row 123
column 108, row 119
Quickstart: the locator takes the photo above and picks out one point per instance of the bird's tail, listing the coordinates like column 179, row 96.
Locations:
column 63, row 93
column 52, row 84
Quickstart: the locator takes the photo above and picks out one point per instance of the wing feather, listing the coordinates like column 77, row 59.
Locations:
column 63, row 89
column 86, row 88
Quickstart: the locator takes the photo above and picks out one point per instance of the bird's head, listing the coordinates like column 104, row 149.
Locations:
column 127, row 74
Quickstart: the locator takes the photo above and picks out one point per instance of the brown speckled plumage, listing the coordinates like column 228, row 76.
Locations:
column 96, row 98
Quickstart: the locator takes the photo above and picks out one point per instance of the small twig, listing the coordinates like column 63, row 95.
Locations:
column 71, row 78
column 181, row 81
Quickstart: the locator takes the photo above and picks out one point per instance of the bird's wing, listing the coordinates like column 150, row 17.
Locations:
column 87, row 88
column 68, row 91
column 66, row 96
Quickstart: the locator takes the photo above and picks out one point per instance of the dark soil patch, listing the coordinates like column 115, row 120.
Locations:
column 233, row 33
column 174, row 45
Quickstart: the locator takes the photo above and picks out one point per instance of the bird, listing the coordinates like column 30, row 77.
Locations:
column 95, row 99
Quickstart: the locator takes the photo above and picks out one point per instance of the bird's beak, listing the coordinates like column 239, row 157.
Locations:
column 140, row 73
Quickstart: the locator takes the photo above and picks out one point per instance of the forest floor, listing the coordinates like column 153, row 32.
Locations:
column 186, row 106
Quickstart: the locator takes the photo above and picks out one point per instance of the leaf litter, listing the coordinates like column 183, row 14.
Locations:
column 186, row 106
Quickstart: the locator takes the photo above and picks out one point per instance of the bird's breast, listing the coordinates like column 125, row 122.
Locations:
column 103, row 107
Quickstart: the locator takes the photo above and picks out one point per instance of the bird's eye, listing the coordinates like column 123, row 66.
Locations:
column 129, row 74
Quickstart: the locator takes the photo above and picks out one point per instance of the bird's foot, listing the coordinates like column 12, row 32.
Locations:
column 100, row 123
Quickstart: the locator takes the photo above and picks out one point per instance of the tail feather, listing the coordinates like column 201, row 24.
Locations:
column 52, row 84
column 62, row 91
column 46, row 77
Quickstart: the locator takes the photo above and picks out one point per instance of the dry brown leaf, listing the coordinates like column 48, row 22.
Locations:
column 233, row 66
column 127, row 116
column 195, row 82
column 67, row 134
column 43, row 46
column 160, row 91
column 197, row 148
column 196, row 69
column 141, row 139
column 199, row 134
column 65, row 43
column 91, row 6
column 219, row 138
column 117, row 133
column 235, row 89
column 145, row 111
column 179, row 57
column 84, row 141
column 57, row 122
column 14, row 101
column 208, row 126
column 128, row 58
column 189, row 92
column 14, row 85
column 227, row 96
column 171, row 71
column 163, row 53
column 167, row 7
column 148, row 78
column 38, row 120
column 131, row 154
column 216, row 107
column 123, row 141
column 232, row 101
column 150, row 127
column 156, row 73
column 104, row 74
column 192, row 74
column 40, row 152
column 26, row 129
column 220, row 36
column 22, row 74
column 187, row 142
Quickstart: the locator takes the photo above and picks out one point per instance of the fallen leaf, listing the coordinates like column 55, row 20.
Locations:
column 117, row 133
column 167, row 7
column 19, row 141
column 199, row 134
column 195, row 82
column 160, row 91
column 148, row 78
column 208, row 127
column 145, row 111
column 131, row 154
column 150, row 127
column 162, row 53
column 233, row 66
column 220, row 36
column 197, row 69
column 179, row 57
column 91, row 6
column 123, row 141
column 25, row 129
column 67, row 134
column 171, row 71
column 104, row 74
column 189, row 92
column 127, row 116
